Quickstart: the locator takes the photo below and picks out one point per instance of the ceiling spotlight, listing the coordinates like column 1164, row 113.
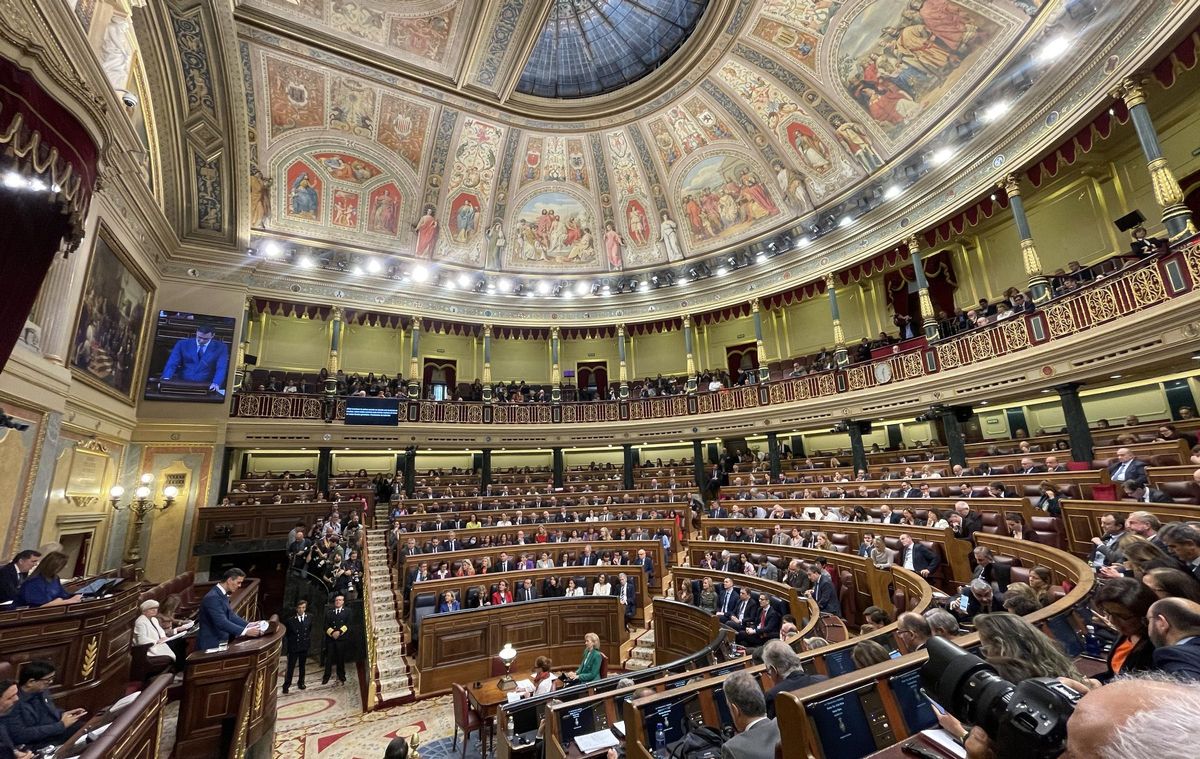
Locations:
column 420, row 274
column 1053, row 49
column 892, row 192
column 306, row 262
column 845, row 221
column 804, row 242
column 13, row 180
column 722, row 271
column 464, row 280
column 582, row 287
column 374, row 266
column 505, row 285
column 449, row 283
column 356, row 270
column 995, row 111
column 543, row 287
column 941, row 156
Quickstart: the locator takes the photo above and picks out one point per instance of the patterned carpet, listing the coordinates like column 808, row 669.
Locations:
column 326, row 722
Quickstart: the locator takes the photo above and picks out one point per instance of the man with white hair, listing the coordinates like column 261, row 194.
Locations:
column 1127, row 467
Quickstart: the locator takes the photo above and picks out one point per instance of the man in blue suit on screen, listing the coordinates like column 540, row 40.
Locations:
column 199, row 359
column 217, row 622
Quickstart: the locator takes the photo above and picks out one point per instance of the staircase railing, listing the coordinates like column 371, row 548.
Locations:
column 371, row 697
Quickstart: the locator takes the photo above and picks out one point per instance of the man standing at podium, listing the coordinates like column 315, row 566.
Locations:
column 337, row 628
column 199, row 359
column 217, row 622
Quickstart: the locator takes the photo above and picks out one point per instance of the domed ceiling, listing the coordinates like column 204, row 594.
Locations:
column 420, row 129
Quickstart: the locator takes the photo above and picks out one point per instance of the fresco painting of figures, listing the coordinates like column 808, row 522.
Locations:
column 900, row 56
column 553, row 229
column 723, row 197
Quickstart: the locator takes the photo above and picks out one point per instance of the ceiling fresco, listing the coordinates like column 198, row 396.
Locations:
column 810, row 98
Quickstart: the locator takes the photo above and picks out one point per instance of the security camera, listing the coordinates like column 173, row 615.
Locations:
column 129, row 99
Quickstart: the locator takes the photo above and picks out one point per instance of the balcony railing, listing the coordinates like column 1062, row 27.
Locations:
column 1123, row 293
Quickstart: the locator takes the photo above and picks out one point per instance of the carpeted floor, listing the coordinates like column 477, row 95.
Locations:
column 326, row 722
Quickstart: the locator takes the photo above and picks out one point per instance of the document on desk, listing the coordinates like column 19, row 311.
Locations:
column 597, row 741
column 124, row 701
column 91, row 735
column 619, row 727
column 945, row 741
column 176, row 635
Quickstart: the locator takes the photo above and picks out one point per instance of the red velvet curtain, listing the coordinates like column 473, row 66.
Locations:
column 942, row 283
column 47, row 171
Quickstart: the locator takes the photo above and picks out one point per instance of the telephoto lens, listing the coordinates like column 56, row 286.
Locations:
column 1024, row 721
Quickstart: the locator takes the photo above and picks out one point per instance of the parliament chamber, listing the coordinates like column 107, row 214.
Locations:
column 662, row 379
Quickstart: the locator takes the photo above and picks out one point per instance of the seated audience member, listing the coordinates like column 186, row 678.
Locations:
column 1051, row 498
column 988, row 570
column 35, row 721
column 761, row 625
column 913, row 631
column 148, row 631
column 543, row 678
column 1174, row 627
column 1142, row 493
column 867, row 653
column 14, row 573
column 8, row 700
column 449, row 603
column 502, row 595
column 981, row 598
column 1122, row 604
column 788, row 628
column 1172, row 583
column 757, row 734
column 1127, row 467
column 1021, row 599
column 942, row 624
column 43, row 587
column 1004, row 635
column 786, row 669
column 589, row 667
column 1183, row 540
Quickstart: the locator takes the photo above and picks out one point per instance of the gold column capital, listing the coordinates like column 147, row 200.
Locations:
column 620, row 330
column 1012, row 185
column 554, row 332
column 487, row 330
column 914, row 245
column 1132, row 90
column 416, row 324
column 755, row 305
column 336, row 313
column 687, row 321
column 830, row 284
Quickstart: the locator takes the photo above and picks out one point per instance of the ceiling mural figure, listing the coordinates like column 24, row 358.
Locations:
column 553, row 230
column 723, row 196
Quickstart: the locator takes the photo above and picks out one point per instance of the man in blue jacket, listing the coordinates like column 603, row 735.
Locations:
column 35, row 721
column 822, row 590
column 198, row 359
column 1174, row 627
column 217, row 622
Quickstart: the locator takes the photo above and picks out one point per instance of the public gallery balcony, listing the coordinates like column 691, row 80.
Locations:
column 1091, row 326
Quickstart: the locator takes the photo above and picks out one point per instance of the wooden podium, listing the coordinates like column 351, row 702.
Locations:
column 229, row 698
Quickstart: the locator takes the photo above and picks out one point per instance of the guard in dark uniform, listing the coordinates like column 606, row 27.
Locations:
column 337, row 630
column 298, row 637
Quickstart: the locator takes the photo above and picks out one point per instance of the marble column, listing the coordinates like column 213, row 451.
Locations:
column 335, row 339
column 764, row 372
column 927, row 316
column 858, row 453
column 627, row 466
column 1039, row 286
column 690, row 354
column 1078, row 432
column 487, row 362
column 414, row 364
column 773, row 455
column 555, row 372
column 1176, row 216
column 558, row 468
column 48, row 310
column 485, row 470
column 622, row 369
column 955, row 442
column 698, row 465
column 840, row 355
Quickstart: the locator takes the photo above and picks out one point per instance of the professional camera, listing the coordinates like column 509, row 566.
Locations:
column 1025, row 721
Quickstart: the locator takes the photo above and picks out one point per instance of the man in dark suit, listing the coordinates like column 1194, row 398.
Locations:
column 917, row 557
column 16, row 572
column 217, row 623
column 1143, row 493
column 907, row 491
column 505, row 564
column 627, row 594
column 647, row 564
column 986, row 569
column 1029, row 467
column 1127, row 468
column 763, row 624
column 452, row 543
column 743, row 611
column 587, row 558
column 730, row 563
column 1052, row 465
column 1183, row 540
column 199, row 359
column 888, row 516
column 718, row 511
column 298, row 638
column 337, row 643
column 525, row 591
column 757, row 735
column 982, row 598
column 822, row 591
column 786, row 669
column 983, row 470
column 727, row 598
column 972, row 521
column 1174, row 627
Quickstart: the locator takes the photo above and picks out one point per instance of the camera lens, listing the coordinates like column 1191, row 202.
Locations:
column 966, row 685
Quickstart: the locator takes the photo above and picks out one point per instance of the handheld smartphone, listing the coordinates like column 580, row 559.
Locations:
column 936, row 706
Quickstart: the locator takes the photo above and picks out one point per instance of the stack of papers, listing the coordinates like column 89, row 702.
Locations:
column 124, row 701
column 945, row 741
column 597, row 741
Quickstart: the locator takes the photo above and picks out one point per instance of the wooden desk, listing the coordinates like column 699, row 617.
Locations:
column 133, row 732
column 229, row 697
column 487, row 700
